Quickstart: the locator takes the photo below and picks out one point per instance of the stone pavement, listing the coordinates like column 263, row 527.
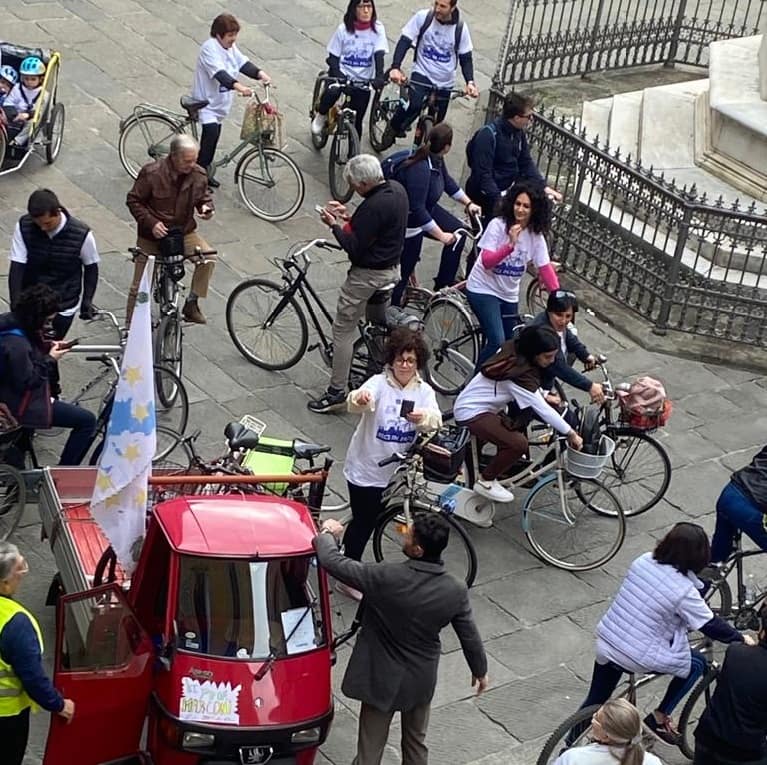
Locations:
column 537, row 621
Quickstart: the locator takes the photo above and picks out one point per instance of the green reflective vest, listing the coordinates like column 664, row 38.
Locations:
column 13, row 698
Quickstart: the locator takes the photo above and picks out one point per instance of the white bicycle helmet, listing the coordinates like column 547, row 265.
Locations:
column 9, row 73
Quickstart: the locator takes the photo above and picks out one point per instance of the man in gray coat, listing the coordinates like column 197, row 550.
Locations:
column 393, row 666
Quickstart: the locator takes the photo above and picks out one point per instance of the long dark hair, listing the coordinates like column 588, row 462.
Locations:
column 540, row 207
column 439, row 136
column 535, row 340
column 34, row 306
column 350, row 16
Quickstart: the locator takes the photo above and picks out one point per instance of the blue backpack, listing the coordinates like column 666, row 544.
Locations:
column 16, row 331
column 393, row 163
column 470, row 145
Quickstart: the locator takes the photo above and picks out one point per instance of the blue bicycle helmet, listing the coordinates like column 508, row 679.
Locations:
column 32, row 65
column 9, row 73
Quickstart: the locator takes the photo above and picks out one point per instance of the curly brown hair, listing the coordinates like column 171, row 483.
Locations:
column 403, row 339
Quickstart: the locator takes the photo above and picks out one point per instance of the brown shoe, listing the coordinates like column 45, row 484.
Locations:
column 193, row 313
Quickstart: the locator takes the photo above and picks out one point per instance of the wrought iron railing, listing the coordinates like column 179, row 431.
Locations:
column 546, row 39
column 679, row 260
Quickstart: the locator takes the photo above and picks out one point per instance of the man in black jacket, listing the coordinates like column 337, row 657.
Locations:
column 393, row 666
column 499, row 155
column 372, row 238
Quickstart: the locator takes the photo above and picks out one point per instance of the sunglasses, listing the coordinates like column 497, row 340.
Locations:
column 559, row 294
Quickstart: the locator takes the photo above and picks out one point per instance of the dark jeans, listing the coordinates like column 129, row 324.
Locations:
column 14, row 733
column 83, row 425
column 706, row 756
column 419, row 90
column 448, row 264
column 497, row 318
column 208, row 142
column 734, row 510
column 366, row 507
column 358, row 100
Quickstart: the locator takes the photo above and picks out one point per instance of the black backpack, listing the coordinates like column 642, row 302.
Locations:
column 393, row 163
column 427, row 23
column 491, row 126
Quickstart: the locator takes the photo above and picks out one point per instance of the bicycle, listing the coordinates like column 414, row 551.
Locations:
column 168, row 325
column 382, row 109
column 269, row 328
column 341, row 124
column 13, row 488
column 269, row 181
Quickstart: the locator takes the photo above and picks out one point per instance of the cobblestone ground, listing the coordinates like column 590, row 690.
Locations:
column 537, row 621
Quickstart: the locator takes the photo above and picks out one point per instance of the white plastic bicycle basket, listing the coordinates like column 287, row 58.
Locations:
column 583, row 465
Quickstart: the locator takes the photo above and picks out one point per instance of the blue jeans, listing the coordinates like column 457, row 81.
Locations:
column 734, row 510
column 497, row 318
column 83, row 426
column 419, row 90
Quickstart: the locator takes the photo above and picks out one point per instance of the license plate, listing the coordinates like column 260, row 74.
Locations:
column 255, row 755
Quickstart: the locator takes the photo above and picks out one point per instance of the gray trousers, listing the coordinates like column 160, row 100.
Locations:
column 358, row 288
column 374, row 731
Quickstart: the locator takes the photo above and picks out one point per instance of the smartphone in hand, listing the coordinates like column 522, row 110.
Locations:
column 406, row 408
column 67, row 344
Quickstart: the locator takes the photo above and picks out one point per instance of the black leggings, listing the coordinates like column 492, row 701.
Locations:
column 211, row 132
column 358, row 100
column 366, row 507
column 14, row 732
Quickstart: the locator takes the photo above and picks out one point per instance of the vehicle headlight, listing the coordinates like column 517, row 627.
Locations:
column 306, row 736
column 193, row 740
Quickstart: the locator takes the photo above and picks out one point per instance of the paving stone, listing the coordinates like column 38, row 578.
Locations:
column 695, row 488
column 495, row 621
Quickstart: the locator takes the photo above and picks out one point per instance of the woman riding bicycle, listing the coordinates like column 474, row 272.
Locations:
column 395, row 406
column 355, row 52
column 426, row 178
column 616, row 730
column 513, row 239
column 645, row 629
column 513, row 375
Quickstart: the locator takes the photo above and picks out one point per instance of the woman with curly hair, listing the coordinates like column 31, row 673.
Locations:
column 514, row 238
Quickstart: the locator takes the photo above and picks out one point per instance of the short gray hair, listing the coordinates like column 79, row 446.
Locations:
column 363, row 168
column 183, row 142
column 9, row 557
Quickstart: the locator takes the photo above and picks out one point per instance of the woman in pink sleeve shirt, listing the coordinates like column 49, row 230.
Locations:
column 513, row 239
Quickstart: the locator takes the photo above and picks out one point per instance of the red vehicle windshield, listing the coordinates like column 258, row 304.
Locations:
column 249, row 609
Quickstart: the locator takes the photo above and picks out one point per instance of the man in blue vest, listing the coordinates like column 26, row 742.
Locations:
column 23, row 682
column 52, row 247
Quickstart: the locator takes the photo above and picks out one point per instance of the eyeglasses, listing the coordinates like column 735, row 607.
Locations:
column 411, row 361
column 527, row 116
column 559, row 294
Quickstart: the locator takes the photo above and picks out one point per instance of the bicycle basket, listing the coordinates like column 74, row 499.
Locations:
column 646, row 420
column 582, row 465
column 444, row 455
column 271, row 456
column 645, row 405
column 264, row 122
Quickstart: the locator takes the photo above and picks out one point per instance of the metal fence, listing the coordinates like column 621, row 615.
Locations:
column 546, row 39
column 678, row 259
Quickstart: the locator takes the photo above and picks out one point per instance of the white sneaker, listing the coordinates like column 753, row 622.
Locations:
column 318, row 123
column 493, row 491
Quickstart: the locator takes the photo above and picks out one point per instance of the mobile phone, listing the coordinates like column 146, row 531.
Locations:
column 67, row 344
column 406, row 408
column 319, row 209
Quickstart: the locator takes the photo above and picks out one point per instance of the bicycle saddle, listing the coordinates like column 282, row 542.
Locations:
column 383, row 295
column 192, row 105
column 240, row 437
column 305, row 451
column 396, row 317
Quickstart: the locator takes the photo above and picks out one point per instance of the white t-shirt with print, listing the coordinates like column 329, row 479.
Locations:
column 437, row 58
column 213, row 57
column 356, row 50
column 383, row 432
column 598, row 754
column 503, row 279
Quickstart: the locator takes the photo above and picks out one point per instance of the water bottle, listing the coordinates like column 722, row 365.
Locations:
column 750, row 590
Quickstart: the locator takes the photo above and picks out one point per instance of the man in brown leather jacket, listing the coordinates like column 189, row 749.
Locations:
column 166, row 195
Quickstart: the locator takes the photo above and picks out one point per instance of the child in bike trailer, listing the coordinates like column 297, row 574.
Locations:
column 21, row 102
column 645, row 629
column 8, row 78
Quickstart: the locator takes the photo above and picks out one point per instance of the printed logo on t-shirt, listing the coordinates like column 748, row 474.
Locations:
column 396, row 429
column 440, row 55
column 358, row 54
column 511, row 267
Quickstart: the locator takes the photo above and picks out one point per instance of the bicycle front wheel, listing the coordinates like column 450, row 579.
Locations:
column 535, row 297
column 267, row 326
column 459, row 556
column 168, row 350
column 639, row 471
column 171, row 409
column 13, row 497
column 452, row 341
column 577, row 528
column 697, row 701
column 144, row 139
column 270, row 184
column 345, row 145
column 381, row 110
column 580, row 724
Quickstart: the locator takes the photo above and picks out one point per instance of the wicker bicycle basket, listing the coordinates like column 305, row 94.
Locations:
column 264, row 122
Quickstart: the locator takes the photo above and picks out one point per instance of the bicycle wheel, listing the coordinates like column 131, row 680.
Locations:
column 13, row 497
column 452, row 341
column 345, row 145
column 168, row 354
column 639, row 471
column 577, row 529
column 459, row 556
column 54, row 132
column 697, row 701
column 535, row 297
column 318, row 141
column 270, row 184
column 364, row 365
column 144, row 139
column 266, row 326
column 580, row 723
column 171, row 412
column 381, row 111
column 167, row 441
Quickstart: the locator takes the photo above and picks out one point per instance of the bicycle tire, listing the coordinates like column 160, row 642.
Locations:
column 283, row 173
column 13, row 498
column 168, row 353
column 692, row 710
column 249, row 306
column 54, row 133
column 149, row 146
column 345, row 145
column 556, row 742
column 535, row 297
column 363, row 365
column 451, row 338
column 378, row 121
column 318, row 141
column 639, row 470
column 388, row 537
column 555, row 539
column 416, row 298
column 3, row 147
